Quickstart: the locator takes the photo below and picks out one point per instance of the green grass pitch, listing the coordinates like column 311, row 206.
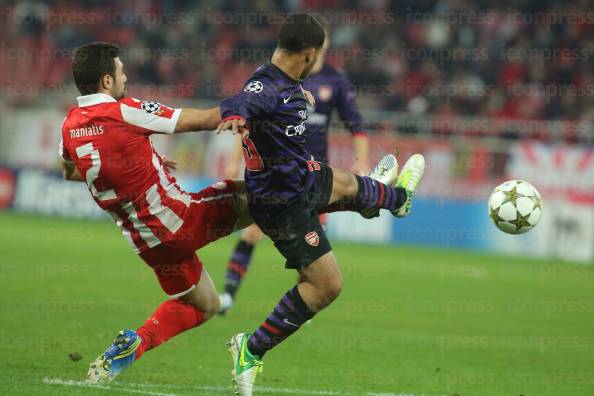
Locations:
column 410, row 321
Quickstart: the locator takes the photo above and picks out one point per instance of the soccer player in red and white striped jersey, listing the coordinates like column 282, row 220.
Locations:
column 106, row 143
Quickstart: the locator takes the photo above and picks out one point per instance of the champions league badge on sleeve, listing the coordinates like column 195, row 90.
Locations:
column 151, row 107
column 254, row 87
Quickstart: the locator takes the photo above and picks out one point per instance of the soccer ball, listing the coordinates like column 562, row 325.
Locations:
column 515, row 206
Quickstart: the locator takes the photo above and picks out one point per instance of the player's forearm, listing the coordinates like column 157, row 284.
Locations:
column 361, row 143
column 69, row 172
column 198, row 120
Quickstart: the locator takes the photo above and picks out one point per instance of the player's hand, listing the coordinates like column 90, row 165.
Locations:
column 236, row 124
column 169, row 165
column 309, row 97
column 360, row 168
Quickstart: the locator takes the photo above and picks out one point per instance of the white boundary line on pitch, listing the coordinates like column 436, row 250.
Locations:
column 83, row 384
column 257, row 389
column 138, row 388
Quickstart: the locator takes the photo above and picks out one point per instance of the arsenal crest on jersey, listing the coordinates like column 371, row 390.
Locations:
column 325, row 92
column 312, row 238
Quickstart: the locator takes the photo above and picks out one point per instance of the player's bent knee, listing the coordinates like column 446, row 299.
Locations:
column 208, row 304
column 244, row 218
column 208, row 308
column 322, row 282
column 252, row 234
column 212, row 306
column 352, row 186
column 327, row 293
column 345, row 183
column 333, row 290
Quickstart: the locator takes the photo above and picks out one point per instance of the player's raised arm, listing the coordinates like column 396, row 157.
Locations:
column 69, row 171
column 198, row 120
column 361, row 144
column 154, row 117
column 350, row 115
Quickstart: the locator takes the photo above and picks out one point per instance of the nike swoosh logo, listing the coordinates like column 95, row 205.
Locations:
column 242, row 362
column 286, row 100
column 290, row 323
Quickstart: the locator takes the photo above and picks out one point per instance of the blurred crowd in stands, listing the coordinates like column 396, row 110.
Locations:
column 526, row 59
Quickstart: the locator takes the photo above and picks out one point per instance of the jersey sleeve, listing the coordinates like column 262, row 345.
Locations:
column 149, row 115
column 63, row 152
column 259, row 96
column 347, row 106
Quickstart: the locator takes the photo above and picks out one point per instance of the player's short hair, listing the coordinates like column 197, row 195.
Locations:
column 301, row 31
column 91, row 62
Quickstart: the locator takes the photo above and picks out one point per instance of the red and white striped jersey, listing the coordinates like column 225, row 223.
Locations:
column 108, row 142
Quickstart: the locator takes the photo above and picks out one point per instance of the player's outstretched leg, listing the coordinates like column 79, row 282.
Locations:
column 322, row 284
column 364, row 193
column 238, row 265
column 170, row 319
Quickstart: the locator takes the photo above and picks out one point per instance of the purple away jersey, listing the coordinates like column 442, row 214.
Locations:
column 284, row 134
column 275, row 151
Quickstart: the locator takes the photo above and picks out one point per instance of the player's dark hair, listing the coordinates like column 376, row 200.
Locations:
column 301, row 31
column 91, row 62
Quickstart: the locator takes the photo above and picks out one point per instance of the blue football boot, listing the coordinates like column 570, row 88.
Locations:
column 120, row 354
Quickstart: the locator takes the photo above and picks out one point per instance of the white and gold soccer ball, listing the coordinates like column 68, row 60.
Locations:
column 515, row 206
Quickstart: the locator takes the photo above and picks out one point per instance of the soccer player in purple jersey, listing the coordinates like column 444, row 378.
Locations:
column 287, row 189
column 332, row 91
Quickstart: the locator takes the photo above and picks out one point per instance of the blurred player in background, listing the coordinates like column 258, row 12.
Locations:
column 105, row 142
column 287, row 189
column 331, row 90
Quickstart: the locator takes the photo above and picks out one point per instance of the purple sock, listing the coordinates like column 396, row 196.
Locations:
column 373, row 194
column 238, row 266
column 286, row 318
